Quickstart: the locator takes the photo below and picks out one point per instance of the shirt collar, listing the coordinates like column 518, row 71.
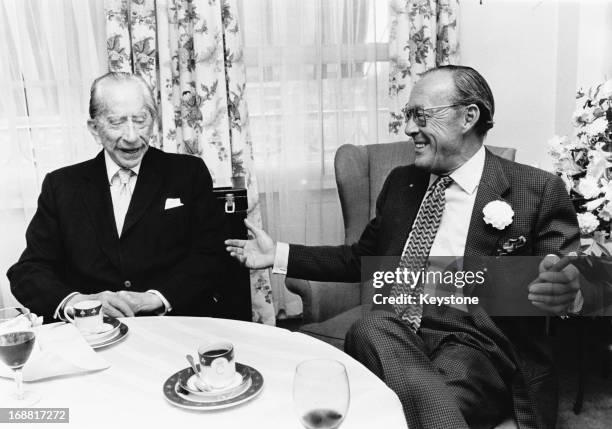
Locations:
column 468, row 175
column 112, row 167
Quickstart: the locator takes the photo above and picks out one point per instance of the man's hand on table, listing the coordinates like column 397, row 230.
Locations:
column 256, row 253
column 123, row 303
column 141, row 302
column 555, row 291
column 113, row 303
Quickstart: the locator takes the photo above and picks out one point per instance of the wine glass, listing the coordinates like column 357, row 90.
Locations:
column 321, row 393
column 16, row 345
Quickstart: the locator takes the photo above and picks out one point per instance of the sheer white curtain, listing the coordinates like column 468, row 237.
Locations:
column 317, row 77
column 50, row 51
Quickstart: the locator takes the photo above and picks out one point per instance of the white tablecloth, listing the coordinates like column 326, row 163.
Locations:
column 129, row 393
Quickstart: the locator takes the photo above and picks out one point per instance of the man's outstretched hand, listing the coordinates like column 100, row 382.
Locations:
column 255, row 253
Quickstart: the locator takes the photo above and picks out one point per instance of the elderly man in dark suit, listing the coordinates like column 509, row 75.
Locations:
column 136, row 228
column 450, row 368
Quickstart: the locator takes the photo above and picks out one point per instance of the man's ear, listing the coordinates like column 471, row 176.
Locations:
column 92, row 125
column 472, row 114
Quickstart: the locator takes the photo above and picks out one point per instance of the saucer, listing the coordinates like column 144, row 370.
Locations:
column 174, row 393
column 116, row 335
column 238, row 380
column 109, row 328
column 190, row 385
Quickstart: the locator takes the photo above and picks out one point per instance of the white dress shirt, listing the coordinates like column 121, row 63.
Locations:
column 111, row 170
column 460, row 197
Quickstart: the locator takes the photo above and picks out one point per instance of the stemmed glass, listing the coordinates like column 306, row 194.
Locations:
column 16, row 345
column 321, row 393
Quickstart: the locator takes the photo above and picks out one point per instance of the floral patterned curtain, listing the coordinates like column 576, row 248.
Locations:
column 423, row 35
column 190, row 52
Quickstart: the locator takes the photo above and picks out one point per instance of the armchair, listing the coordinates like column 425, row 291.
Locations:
column 331, row 308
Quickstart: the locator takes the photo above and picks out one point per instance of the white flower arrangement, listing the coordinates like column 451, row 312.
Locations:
column 588, row 223
column 498, row 214
column 584, row 162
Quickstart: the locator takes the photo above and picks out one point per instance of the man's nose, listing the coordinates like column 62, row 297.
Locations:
column 129, row 132
column 411, row 127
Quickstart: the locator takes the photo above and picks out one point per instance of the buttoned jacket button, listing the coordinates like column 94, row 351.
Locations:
column 127, row 283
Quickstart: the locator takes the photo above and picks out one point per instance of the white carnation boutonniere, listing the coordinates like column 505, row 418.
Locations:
column 498, row 214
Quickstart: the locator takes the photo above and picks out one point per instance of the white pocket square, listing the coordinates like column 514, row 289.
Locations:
column 172, row 203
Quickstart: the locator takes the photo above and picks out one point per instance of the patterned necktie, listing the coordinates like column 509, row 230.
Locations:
column 416, row 251
column 122, row 196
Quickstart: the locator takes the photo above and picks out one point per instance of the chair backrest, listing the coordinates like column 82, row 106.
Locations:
column 361, row 172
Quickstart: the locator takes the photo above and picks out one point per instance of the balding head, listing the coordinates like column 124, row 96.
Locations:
column 97, row 103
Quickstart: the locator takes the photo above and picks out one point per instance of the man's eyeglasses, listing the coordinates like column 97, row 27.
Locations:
column 420, row 114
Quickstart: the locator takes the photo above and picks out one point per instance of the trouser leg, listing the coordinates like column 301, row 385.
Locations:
column 453, row 386
column 389, row 348
column 474, row 384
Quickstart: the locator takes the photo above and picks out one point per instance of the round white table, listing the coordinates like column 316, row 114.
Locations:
column 129, row 393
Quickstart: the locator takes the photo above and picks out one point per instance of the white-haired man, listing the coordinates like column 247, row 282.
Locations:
column 135, row 228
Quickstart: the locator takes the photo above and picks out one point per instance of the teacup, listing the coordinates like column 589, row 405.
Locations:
column 87, row 316
column 218, row 364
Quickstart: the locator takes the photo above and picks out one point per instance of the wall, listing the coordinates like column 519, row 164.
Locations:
column 534, row 55
column 594, row 41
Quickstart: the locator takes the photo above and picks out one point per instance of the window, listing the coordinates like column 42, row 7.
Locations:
column 317, row 75
column 51, row 52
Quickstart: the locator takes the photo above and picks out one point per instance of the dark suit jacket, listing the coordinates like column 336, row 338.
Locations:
column 73, row 245
column 543, row 214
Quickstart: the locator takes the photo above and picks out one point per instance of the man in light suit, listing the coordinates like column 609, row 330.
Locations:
column 450, row 368
column 136, row 228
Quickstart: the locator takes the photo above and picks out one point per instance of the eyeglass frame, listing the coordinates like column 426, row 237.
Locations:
column 411, row 113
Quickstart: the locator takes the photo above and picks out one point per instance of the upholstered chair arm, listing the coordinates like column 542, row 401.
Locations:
column 324, row 300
